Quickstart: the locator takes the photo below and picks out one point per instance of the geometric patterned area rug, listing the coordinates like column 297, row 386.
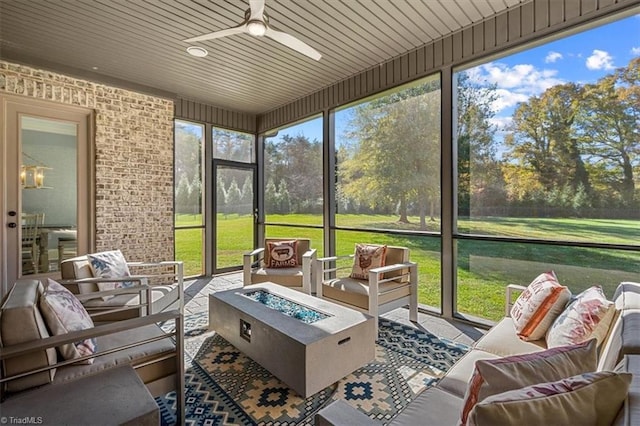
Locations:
column 226, row 387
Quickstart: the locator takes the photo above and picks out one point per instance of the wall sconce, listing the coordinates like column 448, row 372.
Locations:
column 32, row 177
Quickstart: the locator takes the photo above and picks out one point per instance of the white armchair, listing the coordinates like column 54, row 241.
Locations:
column 387, row 287
column 256, row 266
column 164, row 279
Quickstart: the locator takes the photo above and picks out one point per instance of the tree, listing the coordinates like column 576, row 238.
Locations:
column 610, row 131
column 284, row 198
column 221, row 193
column 479, row 174
column 271, row 197
column 234, row 196
column 395, row 159
column 247, row 195
column 188, row 151
column 543, row 137
column 182, row 194
column 297, row 161
column 195, row 195
column 230, row 145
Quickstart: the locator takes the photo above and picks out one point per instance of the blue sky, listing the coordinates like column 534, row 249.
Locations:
column 581, row 58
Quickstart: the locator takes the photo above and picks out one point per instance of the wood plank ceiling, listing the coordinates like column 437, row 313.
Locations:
column 140, row 42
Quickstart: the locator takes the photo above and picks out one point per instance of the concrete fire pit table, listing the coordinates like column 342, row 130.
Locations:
column 306, row 342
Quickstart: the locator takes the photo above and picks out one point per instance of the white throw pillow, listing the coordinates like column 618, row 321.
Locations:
column 538, row 306
column 110, row 264
column 63, row 313
column 588, row 316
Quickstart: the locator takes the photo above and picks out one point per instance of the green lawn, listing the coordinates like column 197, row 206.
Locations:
column 484, row 268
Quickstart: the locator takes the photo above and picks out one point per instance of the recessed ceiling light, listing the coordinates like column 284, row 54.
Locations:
column 94, row 68
column 197, row 51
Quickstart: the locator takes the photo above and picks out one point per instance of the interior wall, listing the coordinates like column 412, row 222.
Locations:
column 133, row 158
column 58, row 198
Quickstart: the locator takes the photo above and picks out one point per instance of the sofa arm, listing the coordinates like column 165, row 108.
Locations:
column 340, row 413
column 511, row 290
column 22, row 349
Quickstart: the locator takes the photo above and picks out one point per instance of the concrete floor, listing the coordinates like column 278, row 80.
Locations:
column 196, row 292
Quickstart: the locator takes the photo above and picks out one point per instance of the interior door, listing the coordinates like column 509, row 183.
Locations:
column 235, row 207
column 46, row 185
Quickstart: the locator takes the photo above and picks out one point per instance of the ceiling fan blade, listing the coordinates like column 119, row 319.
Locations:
column 217, row 34
column 292, row 42
column 257, row 10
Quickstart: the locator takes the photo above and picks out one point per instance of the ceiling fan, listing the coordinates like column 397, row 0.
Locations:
column 256, row 23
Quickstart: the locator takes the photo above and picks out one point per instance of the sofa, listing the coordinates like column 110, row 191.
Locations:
column 442, row 404
column 133, row 361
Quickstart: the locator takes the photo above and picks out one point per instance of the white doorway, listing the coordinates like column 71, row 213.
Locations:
column 47, row 186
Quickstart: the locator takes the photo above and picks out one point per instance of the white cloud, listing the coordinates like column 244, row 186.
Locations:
column 635, row 50
column 600, row 60
column 523, row 78
column 501, row 123
column 507, row 99
column 514, row 84
column 552, row 57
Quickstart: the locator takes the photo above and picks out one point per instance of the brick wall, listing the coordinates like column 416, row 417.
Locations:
column 134, row 158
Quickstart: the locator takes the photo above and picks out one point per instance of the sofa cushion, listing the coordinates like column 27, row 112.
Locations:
column 21, row 321
column 495, row 376
column 538, row 306
column 502, row 340
column 135, row 356
column 366, row 257
column 590, row 398
column 588, row 316
column 457, row 378
column 282, row 254
column 434, row 406
column 63, row 313
column 116, row 397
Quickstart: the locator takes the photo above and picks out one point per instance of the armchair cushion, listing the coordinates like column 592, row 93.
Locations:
column 20, row 322
column 281, row 254
column 63, row 313
column 290, row 277
column 367, row 256
column 110, row 264
column 356, row 292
